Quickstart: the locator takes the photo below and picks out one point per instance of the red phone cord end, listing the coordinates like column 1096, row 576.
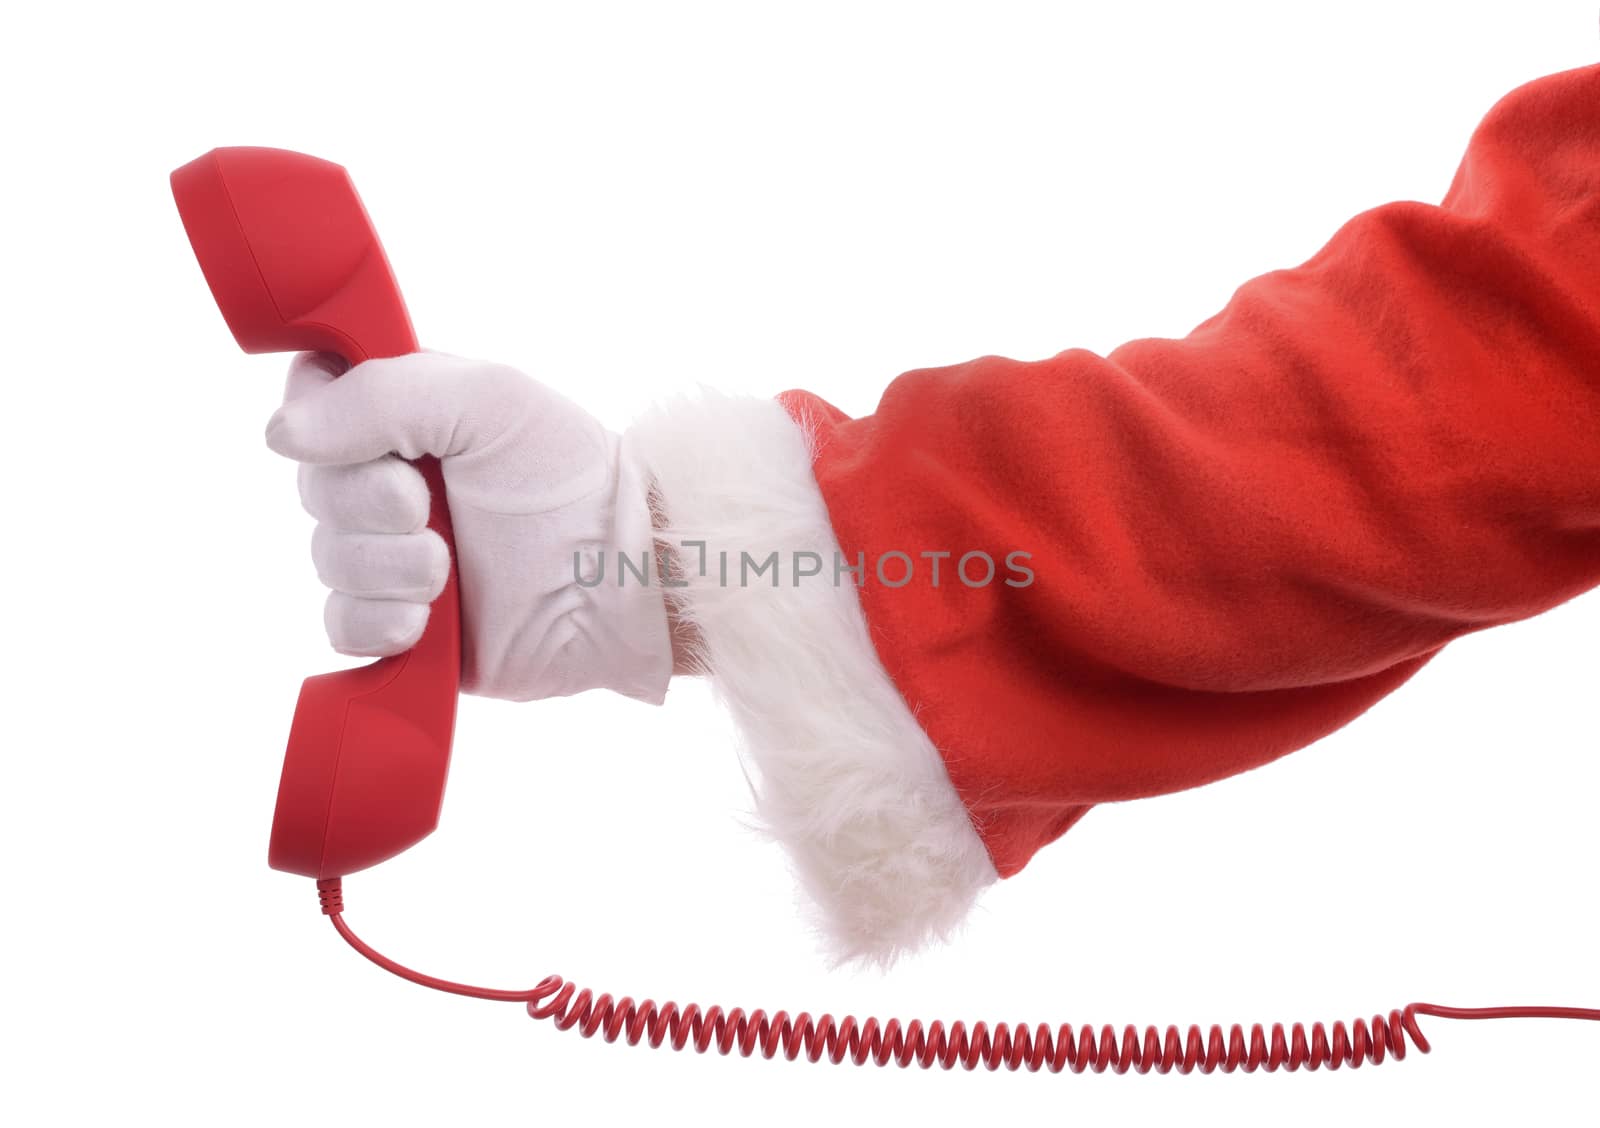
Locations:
column 331, row 891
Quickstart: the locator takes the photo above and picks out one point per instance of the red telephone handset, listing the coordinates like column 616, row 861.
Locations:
column 294, row 263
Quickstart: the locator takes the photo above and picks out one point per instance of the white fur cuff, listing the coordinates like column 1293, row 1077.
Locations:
column 844, row 777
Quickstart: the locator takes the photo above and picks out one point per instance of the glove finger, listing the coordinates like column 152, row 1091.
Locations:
column 411, row 567
column 386, row 495
column 423, row 403
column 309, row 371
column 372, row 628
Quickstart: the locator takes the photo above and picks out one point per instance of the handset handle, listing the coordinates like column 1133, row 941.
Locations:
column 294, row 263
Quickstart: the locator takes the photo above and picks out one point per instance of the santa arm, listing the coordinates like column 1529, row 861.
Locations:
column 1235, row 542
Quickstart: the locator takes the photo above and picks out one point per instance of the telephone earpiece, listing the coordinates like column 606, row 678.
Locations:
column 294, row 264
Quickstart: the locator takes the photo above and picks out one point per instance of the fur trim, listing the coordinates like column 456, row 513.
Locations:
column 843, row 776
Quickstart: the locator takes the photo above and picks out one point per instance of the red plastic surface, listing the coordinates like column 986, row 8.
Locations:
column 294, row 263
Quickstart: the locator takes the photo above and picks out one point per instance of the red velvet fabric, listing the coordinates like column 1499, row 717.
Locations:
column 1244, row 538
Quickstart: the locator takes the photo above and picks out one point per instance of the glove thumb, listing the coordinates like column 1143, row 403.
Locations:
column 407, row 405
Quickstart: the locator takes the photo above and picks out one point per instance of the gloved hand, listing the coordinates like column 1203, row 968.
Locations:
column 531, row 481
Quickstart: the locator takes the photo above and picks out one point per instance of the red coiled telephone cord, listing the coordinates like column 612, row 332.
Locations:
column 1014, row 1047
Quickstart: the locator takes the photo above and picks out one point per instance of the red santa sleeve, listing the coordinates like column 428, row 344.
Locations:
column 1019, row 589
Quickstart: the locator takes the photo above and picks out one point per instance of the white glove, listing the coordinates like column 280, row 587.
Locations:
column 531, row 480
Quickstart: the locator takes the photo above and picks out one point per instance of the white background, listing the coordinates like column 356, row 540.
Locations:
column 625, row 201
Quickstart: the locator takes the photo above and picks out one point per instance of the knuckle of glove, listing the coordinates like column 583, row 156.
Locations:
column 386, row 495
column 372, row 628
column 405, row 567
